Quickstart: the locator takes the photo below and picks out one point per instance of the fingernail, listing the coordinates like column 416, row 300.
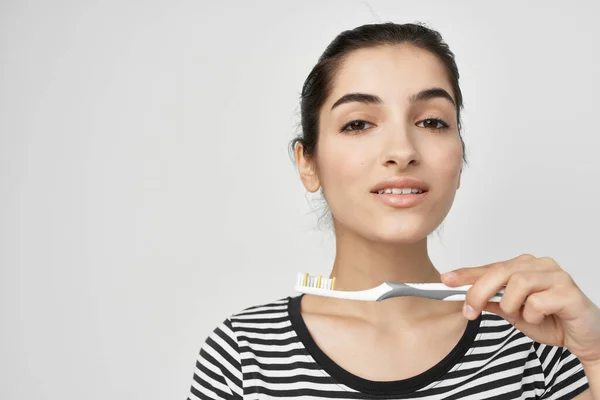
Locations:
column 449, row 275
column 469, row 311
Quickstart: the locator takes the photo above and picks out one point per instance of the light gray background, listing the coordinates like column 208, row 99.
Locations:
column 147, row 192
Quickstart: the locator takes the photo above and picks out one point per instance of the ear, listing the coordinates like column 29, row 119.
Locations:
column 459, row 176
column 306, row 169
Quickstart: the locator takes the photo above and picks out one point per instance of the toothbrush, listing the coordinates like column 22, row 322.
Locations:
column 320, row 286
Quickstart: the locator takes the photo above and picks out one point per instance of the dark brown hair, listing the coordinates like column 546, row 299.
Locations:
column 319, row 82
column 318, row 85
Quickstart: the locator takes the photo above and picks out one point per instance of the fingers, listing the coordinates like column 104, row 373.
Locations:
column 539, row 305
column 522, row 276
column 521, row 279
column 469, row 275
column 521, row 286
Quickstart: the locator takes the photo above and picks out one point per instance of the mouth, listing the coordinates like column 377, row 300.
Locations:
column 401, row 198
column 400, row 191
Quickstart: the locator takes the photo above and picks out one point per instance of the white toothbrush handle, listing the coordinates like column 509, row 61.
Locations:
column 437, row 291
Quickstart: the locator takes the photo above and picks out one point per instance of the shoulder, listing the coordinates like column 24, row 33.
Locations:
column 259, row 316
column 559, row 372
column 498, row 339
column 262, row 309
column 255, row 323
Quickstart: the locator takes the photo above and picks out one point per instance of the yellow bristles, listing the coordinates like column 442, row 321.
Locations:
column 315, row 281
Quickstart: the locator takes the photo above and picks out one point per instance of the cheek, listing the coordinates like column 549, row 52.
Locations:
column 447, row 162
column 341, row 165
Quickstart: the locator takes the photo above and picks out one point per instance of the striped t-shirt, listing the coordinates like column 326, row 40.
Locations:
column 267, row 352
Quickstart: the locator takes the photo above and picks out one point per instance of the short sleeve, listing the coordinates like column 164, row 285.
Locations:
column 564, row 377
column 218, row 373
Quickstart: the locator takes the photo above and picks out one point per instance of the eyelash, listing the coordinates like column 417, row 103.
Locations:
column 444, row 124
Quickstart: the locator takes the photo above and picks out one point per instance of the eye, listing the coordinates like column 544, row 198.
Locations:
column 434, row 123
column 357, row 125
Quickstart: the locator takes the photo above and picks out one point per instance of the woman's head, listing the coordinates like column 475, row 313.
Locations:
column 363, row 122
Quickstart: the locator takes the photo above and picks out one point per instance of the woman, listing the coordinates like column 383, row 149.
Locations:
column 381, row 110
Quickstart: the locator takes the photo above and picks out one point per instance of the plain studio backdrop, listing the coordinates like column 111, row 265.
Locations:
column 147, row 191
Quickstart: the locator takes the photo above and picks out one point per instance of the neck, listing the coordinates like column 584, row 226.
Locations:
column 363, row 264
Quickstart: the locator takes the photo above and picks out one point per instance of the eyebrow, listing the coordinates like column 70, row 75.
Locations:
column 423, row 95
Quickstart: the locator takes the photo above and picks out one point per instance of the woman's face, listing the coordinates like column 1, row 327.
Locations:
column 393, row 138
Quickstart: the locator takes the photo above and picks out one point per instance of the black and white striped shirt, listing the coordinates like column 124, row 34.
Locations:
column 267, row 352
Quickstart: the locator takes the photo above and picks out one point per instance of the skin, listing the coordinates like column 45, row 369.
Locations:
column 376, row 242
column 541, row 300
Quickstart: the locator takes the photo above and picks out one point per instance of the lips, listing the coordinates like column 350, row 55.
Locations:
column 400, row 182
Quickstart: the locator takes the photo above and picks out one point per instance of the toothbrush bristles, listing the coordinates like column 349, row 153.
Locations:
column 318, row 282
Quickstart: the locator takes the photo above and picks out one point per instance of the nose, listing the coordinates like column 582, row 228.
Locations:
column 399, row 149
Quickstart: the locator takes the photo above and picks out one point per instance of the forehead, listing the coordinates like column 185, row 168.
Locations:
column 393, row 72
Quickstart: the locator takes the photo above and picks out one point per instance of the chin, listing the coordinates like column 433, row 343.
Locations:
column 389, row 229
column 406, row 234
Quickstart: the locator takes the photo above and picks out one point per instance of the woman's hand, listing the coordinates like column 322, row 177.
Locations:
column 540, row 299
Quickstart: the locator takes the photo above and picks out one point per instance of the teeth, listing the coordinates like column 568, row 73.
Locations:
column 400, row 191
